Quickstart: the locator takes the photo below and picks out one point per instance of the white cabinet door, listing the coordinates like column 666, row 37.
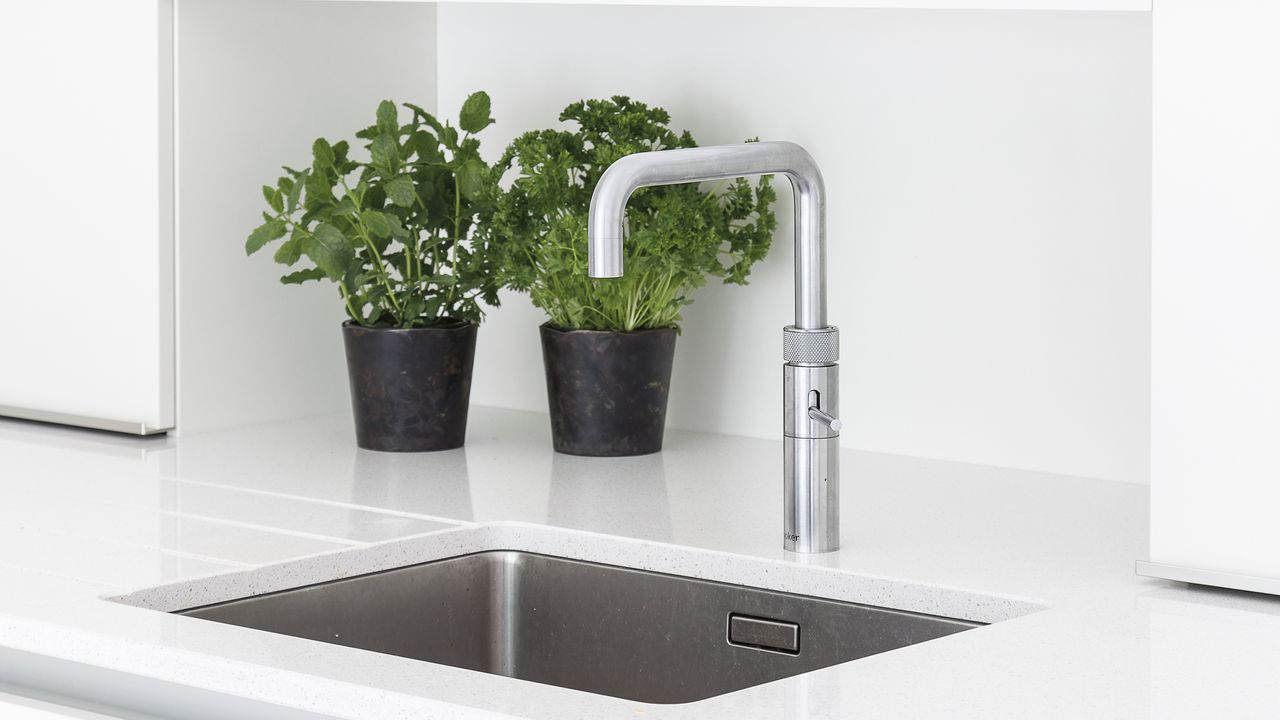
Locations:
column 86, row 241
column 1215, row 412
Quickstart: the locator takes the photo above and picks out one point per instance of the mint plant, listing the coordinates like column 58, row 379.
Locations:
column 680, row 235
column 396, row 231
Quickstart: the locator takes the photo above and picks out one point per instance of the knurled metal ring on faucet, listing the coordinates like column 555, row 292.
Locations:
column 820, row 346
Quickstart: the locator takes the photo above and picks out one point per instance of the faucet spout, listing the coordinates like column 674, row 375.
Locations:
column 811, row 397
column 607, row 221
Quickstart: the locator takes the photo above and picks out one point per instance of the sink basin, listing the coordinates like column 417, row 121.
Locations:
column 632, row 634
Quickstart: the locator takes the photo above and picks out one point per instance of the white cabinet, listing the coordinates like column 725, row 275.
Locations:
column 1215, row 411
column 86, row 250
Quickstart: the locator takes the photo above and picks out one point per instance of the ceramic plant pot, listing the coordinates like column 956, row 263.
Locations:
column 410, row 389
column 608, row 390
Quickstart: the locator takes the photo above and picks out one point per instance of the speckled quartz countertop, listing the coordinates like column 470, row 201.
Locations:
column 87, row 515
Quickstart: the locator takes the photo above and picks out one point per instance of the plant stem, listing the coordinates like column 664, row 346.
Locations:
column 377, row 257
column 457, row 229
column 346, row 299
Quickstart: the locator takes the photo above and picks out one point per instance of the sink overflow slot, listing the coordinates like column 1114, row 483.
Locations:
column 759, row 633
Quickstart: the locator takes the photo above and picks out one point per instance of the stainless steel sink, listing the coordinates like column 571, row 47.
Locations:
column 631, row 634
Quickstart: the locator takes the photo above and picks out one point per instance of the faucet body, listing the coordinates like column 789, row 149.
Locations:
column 811, row 348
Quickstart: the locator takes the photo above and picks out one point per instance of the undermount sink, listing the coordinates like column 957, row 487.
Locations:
column 632, row 634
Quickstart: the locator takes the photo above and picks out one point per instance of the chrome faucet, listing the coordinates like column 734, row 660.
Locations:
column 810, row 376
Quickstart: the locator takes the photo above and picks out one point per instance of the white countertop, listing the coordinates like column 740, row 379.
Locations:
column 87, row 515
column 16, row 707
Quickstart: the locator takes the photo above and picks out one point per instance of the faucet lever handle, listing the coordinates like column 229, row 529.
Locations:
column 826, row 418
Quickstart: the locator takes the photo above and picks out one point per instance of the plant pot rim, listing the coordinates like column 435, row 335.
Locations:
column 572, row 331
column 462, row 325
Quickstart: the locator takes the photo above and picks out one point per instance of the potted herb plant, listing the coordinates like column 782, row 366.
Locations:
column 395, row 233
column 608, row 345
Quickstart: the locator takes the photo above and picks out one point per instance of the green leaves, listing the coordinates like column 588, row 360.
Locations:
column 322, row 155
column 290, row 251
column 427, row 147
column 680, row 235
column 387, row 122
column 273, row 197
column 273, row 229
column 295, row 190
column 399, row 224
column 400, row 191
column 386, row 154
column 475, row 113
column 471, row 176
column 328, row 248
column 301, row 276
column 378, row 223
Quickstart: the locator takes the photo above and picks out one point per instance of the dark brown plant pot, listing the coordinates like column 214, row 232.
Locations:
column 608, row 390
column 410, row 388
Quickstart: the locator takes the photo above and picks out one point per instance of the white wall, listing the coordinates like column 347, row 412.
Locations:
column 989, row 212
column 1215, row 472
column 86, row 246
column 259, row 80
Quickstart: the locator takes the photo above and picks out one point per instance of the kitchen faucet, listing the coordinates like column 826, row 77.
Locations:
column 810, row 376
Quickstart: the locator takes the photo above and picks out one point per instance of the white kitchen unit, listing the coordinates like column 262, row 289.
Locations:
column 87, row 253
column 1215, row 397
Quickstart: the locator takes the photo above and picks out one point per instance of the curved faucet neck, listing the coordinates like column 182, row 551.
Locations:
column 607, row 222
